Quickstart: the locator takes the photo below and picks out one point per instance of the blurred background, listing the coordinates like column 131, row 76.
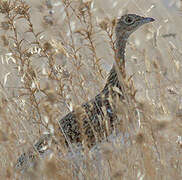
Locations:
column 42, row 89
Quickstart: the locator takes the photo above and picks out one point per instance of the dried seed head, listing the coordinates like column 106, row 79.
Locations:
column 47, row 46
column 104, row 25
column 85, row 7
column 22, row 9
column 5, row 7
column 59, row 47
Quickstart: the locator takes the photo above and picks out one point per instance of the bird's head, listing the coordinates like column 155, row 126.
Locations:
column 129, row 23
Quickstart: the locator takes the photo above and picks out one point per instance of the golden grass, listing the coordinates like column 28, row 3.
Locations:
column 55, row 55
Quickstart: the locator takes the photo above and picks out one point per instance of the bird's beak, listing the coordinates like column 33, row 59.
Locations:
column 148, row 20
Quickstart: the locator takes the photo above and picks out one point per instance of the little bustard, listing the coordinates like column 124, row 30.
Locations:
column 88, row 123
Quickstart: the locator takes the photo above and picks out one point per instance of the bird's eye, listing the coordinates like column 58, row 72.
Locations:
column 129, row 20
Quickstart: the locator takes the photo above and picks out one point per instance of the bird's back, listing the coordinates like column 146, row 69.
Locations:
column 88, row 122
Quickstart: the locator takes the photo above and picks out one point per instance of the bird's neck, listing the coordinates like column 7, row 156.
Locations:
column 121, row 39
column 120, row 46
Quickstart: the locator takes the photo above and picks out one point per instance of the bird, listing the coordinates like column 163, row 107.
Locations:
column 86, row 124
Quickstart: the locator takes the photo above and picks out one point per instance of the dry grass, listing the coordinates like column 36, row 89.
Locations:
column 55, row 55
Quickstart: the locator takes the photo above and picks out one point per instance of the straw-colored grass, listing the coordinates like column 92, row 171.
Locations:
column 56, row 54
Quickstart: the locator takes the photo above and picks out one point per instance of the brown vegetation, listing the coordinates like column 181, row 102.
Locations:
column 55, row 56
